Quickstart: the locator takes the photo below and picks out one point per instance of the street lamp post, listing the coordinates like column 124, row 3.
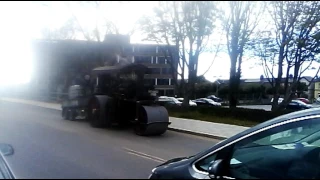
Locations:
column 217, row 83
column 217, row 89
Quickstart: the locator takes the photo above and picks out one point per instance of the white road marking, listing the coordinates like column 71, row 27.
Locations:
column 146, row 156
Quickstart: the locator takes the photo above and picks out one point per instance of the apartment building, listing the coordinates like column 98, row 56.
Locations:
column 58, row 63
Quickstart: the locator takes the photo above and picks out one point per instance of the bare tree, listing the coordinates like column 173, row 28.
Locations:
column 67, row 31
column 187, row 26
column 295, row 41
column 239, row 22
column 103, row 25
column 305, row 45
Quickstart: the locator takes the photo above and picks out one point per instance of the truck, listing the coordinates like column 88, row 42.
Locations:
column 118, row 96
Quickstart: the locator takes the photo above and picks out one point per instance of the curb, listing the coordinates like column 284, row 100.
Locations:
column 197, row 133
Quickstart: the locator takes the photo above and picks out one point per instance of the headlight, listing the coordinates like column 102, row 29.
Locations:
column 150, row 176
column 153, row 170
column 154, row 176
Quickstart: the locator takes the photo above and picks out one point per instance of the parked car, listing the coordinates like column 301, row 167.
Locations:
column 171, row 101
column 286, row 147
column 305, row 100
column 214, row 98
column 295, row 104
column 206, row 102
column 298, row 105
column 191, row 103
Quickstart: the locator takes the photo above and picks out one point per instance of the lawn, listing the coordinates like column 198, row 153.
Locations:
column 215, row 119
column 234, row 116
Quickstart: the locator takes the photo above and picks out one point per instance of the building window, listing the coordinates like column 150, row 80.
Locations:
column 149, row 82
column 147, row 49
column 142, row 59
column 161, row 60
column 170, row 93
column 160, row 93
column 166, row 71
column 155, row 70
column 163, row 82
column 127, row 49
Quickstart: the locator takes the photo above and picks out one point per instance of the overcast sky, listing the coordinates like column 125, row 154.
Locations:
column 22, row 21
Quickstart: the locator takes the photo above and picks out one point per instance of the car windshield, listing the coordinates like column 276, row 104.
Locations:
column 305, row 133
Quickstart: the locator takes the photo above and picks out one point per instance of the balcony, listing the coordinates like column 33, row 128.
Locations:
column 162, row 76
column 156, row 65
column 164, row 86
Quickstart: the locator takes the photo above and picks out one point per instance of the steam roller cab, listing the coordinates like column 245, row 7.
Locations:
column 120, row 97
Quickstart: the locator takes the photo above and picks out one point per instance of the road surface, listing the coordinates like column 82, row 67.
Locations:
column 48, row 147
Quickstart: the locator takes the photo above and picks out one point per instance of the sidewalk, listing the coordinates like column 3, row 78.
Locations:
column 208, row 129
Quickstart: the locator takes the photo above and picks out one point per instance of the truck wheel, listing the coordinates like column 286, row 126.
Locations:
column 69, row 114
column 99, row 111
column 72, row 115
column 95, row 113
column 109, row 112
column 64, row 113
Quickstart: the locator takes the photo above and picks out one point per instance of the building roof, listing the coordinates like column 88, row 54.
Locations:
column 307, row 78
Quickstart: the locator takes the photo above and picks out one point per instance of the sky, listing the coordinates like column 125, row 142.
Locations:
column 23, row 21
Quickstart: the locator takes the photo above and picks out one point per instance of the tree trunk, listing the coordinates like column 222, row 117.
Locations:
column 191, row 81
column 291, row 89
column 276, row 94
column 233, row 84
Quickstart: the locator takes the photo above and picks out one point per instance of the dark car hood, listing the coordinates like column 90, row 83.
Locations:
column 173, row 168
column 177, row 166
column 175, row 160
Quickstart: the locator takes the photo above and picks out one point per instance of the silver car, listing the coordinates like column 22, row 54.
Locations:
column 191, row 103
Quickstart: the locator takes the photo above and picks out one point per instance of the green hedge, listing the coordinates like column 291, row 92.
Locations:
column 253, row 115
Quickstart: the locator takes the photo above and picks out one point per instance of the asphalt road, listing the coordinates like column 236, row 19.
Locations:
column 48, row 147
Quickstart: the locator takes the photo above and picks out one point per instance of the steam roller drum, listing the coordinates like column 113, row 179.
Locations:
column 152, row 120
